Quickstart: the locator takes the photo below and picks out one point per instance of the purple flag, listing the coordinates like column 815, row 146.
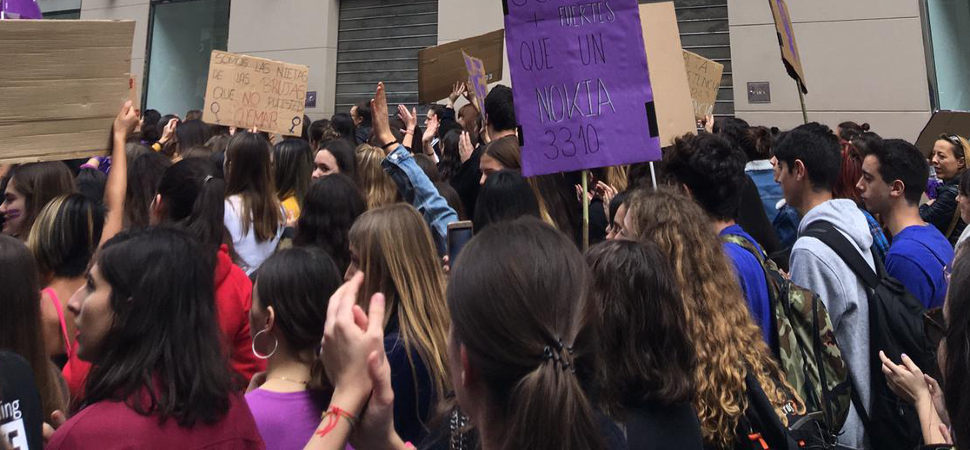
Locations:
column 581, row 86
column 19, row 9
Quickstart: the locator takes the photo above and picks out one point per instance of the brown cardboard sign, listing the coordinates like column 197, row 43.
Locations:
column 62, row 82
column 704, row 78
column 786, row 40
column 668, row 74
column 441, row 66
column 246, row 92
column 943, row 122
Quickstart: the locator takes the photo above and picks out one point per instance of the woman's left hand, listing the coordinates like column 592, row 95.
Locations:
column 905, row 380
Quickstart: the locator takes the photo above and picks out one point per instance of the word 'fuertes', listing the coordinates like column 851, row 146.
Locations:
column 586, row 13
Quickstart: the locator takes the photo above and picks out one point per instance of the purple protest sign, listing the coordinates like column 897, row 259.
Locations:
column 19, row 9
column 580, row 83
column 476, row 78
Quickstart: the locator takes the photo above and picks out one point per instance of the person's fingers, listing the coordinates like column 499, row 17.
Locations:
column 931, row 382
column 380, row 379
column 909, row 364
column 376, row 314
column 58, row 418
column 360, row 318
column 349, row 298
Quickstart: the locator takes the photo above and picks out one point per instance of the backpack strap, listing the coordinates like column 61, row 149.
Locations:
column 746, row 244
column 830, row 236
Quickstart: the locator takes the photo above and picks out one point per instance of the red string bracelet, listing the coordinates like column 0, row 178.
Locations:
column 332, row 417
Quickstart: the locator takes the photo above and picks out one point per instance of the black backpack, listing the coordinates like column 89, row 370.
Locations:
column 895, row 327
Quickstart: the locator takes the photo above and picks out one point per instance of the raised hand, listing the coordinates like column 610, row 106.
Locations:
column 465, row 147
column 381, row 124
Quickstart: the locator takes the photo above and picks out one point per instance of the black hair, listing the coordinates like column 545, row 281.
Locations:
column 343, row 124
column 293, row 162
column 192, row 133
column 451, row 196
column 297, row 283
column 640, row 312
column 737, row 133
column 164, row 121
column 330, row 207
column 144, row 174
column 506, row 195
column 450, row 158
column 817, row 148
column 91, row 183
column 965, row 183
column 849, row 130
column 364, row 112
column 617, row 201
column 500, row 109
column 306, row 128
column 711, row 168
column 315, row 131
column 193, row 198
column 150, row 132
column 428, row 166
column 900, row 160
column 163, row 355
column 64, row 239
column 342, row 151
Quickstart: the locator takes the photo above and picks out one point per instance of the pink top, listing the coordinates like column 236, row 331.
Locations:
column 60, row 317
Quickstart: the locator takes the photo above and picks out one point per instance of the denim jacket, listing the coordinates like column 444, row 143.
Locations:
column 418, row 190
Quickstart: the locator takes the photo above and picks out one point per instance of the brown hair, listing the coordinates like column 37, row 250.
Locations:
column 640, row 312
column 20, row 328
column 727, row 341
column 376, row 185
column 525, row 327
column 506, row 152
column 394, row 250
column 249, row 174
column 40, row 183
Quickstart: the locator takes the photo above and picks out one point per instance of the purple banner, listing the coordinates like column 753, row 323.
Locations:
column 581, row 86
column 19, row 9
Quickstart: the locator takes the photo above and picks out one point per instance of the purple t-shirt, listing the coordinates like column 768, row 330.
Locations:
column 285, row 420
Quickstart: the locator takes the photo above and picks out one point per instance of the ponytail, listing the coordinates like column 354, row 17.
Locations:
column 526, row 328
column 205, row 222
column 193, row 198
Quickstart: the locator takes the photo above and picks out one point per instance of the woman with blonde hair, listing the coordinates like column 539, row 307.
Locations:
column 393, row 248
column 731, row 354
column 376, row 185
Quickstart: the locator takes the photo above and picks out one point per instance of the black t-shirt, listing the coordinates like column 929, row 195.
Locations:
column 651, row 425
column 466, row 181
column 21, row 413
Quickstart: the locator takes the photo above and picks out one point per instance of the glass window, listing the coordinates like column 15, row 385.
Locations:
column 949, row 29
column 60, row 9
column 183, row 35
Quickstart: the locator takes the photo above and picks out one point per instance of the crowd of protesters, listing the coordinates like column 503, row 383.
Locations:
column 203, row 286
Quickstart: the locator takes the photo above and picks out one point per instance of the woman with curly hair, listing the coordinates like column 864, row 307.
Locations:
column 731, row 355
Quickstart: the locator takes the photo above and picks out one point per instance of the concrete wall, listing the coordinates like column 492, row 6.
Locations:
column 137, row 10
column 294, row 31
column 863, row 60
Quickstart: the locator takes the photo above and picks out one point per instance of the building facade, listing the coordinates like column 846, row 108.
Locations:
column 886, row 62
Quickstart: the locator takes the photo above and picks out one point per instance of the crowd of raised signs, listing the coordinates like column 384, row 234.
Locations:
column 208, row 287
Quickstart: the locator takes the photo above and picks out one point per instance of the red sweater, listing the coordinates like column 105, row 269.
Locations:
column 233, row 302
column 110, row 425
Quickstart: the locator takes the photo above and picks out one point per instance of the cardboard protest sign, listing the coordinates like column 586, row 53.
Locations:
column 704, row 78
column 581, row 85
column 668, row 75
column 477, row 80
column 786, row 40
column 62, row 82
column 441, row 66
column 246, row 92
column 943, row 122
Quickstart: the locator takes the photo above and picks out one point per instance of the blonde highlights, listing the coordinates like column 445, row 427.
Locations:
column 376, row 185
column 395, row 251
column 727, row 341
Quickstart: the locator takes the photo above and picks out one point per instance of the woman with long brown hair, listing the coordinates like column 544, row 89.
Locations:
column 253, row 216
column 29, row 188
column 726, row 339
column 393, row 248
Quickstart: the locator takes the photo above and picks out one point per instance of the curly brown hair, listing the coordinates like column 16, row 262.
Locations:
column 727, row 341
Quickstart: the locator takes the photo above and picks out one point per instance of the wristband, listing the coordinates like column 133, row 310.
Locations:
column 389, row 143
column 157, row 147
column 332, row 416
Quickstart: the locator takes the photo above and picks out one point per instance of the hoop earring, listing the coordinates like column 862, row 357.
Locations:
column 276, row 343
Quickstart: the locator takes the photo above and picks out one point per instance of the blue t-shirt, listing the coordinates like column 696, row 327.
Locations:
column 751, row 277
column 917, row 259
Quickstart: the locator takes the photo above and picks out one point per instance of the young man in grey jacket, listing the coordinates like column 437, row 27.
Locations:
column 807, row 164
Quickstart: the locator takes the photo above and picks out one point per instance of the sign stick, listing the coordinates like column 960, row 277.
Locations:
column 801, row 98
column 585, row 210
column 653, row 175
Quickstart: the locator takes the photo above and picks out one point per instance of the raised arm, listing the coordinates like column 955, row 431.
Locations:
column 117, row 185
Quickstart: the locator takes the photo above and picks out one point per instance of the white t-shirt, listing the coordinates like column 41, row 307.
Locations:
column 251, row 252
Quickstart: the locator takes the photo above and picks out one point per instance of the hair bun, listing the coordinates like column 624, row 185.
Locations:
column 865, row 127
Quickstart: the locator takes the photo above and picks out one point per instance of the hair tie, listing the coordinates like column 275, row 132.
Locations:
column 207, row 179
column 560, row 355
